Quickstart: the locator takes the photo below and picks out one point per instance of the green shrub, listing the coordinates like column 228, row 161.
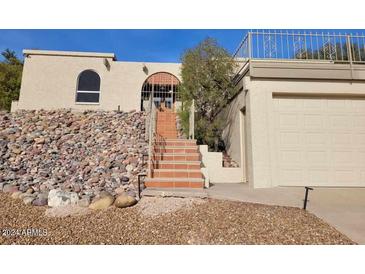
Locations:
column 10, row 79
column 207, row 72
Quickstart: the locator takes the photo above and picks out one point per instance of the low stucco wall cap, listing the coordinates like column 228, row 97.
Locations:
column 27, row 52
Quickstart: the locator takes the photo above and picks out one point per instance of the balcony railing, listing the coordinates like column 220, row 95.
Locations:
column 289, row 45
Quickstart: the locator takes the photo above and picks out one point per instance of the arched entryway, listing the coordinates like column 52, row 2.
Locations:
column 164, row 88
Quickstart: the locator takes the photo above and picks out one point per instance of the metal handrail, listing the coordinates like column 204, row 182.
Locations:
column 299, row 46
column 151, row 134
column 284, row 44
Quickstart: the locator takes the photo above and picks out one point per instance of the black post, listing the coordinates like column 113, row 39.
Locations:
column 139, row 184
column 118, row 108
column 306, row 197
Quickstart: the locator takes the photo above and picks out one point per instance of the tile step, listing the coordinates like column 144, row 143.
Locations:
column 180, row 140
column 176, row 147
column 177, row 173
column 176, row 150
column 182, row 166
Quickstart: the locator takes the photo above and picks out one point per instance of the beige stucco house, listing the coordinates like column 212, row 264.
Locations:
column 295, row 121
column 59, row 79
column 299, row 121
column 306, row 129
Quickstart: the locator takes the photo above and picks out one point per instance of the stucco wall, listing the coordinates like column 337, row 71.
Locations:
column 260, row 145
column 215, row 172
column 50, row 82
column 236, row 146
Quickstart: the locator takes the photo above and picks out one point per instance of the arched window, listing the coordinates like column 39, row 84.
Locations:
column 88, row 87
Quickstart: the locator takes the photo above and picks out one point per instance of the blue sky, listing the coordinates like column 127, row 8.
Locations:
column 128, row 45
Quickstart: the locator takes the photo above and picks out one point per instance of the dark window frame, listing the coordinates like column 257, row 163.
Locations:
column 91, row 96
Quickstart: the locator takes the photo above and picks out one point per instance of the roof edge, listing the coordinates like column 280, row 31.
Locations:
column 27, row 52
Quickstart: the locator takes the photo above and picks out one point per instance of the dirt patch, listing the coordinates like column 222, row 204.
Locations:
column 156, row 206
column 67, row 210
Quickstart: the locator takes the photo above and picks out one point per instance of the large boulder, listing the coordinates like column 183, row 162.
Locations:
column 124, row 200
column 58, row 197
column 10, row 188
column 27, row 198
column 15, row 195
column 102, row 203
column 40, row 201
column 84, row 201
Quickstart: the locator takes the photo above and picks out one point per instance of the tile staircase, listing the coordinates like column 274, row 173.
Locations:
column 175, row 163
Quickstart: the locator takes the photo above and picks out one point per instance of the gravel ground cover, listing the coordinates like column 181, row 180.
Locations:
column 195, row 222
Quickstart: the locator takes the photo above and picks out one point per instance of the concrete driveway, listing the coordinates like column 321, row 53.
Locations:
column 343, row 208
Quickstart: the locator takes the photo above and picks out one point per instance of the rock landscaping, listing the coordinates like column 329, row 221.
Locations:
column 228, row 161
column 60, row 158
column 166, row 221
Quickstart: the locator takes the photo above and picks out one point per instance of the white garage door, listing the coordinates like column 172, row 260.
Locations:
column 319, row 141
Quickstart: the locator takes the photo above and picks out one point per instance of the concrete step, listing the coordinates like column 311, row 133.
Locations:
column 176, row 173
column 175, row 192
column 175, row 182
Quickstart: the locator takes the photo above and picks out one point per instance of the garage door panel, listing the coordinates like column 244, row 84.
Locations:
column 288, row 121
column 319, row 141
column 359, row 139
column 359, row 122
column 287, row 105
column 291, row 157
column 315, row 158
column 362, row 176
column 342, row 158
column 338, row 105
column 290, row 176
column 360, row 157
column 314, row 138
column 341, row 139
column 314, row 104
column 345, row 177
column 289, row 139
column 340, row 123
column 358, row 106
column 318, row 176
column 314, row 122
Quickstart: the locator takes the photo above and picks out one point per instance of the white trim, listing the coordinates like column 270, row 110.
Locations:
column 87, row 103
column 87, row 91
